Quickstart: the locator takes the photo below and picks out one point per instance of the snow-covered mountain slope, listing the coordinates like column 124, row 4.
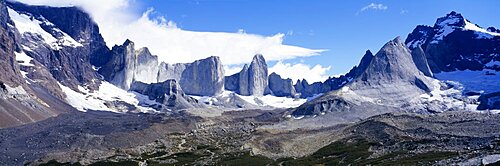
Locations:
column 460, row 51
column 106, row 98
column 455, row 43
column 28, row 25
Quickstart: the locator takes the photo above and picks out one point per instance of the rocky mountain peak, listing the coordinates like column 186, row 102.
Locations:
column 281, row 87
column 127, row 43
column 451, row 19
column 392, row 64
column 257, row 72
column 143, row 51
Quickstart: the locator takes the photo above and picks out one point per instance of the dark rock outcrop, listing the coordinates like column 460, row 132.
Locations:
column 120, row 69
column 449, row 45
column 168, row 93
column 74, row 22
column 71, row 64
column 489, row 101
column 281, row 87
column 21, row 103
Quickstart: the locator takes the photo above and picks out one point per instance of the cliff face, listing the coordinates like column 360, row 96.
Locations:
column 390, row 79
column 25, row 97
column 203, row 77
column 281, row 87
column 251, row 80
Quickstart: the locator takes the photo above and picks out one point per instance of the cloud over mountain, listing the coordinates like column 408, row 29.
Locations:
column 120, row 20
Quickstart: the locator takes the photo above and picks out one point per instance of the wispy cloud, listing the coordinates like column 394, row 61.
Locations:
column 372, row 6
column 301, row 71
column 403, row 11
column 119, row 20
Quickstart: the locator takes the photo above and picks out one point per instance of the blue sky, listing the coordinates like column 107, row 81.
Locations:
column 341, row 27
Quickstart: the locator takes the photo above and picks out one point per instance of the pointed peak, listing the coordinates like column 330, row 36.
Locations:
column 258, row 57
column 368, row 53
column 396, row 42
column 451, row 19
column 304, row 81
column 128, row 42
column 453, row 13
column 245, row 67
column 143, row 50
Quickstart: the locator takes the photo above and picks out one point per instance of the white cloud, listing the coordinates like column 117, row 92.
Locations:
column 119, row 20
column 301, row 71
column 373, row 6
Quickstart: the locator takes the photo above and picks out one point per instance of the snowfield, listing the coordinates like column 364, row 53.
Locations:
column 28, row 24
column 107, row 93
column 486, row 81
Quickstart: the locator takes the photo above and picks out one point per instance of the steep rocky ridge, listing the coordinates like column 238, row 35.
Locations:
column 390, row 79
column 127, row 65
column 251, row 80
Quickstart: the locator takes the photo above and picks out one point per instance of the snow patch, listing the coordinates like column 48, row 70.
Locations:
column 96, row 100
column 482, row 33
column 492, row 63
column 28, row 24
column 486, row 81
column 268, row 100
column 23, row 59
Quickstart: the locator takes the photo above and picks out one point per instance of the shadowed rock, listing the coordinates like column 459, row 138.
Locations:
column 168, row 93
column 281, row 87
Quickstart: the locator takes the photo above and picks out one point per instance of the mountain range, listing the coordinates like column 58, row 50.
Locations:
column 55, row 64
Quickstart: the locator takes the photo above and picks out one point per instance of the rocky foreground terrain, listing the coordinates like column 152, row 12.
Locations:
column 252, row 137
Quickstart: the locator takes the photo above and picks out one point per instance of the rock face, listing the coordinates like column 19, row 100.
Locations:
column 68, row 42
column 454, row 43
column 281, row 87
column 168, row 93
column 22, row 103
column 257, row 76
column 146, row 66
column 420, row 60
column 251, row 80
column 203, row 77
column 10, row 69
column 390, row 79
column 120, row 69
column 392, row 64
column 489, row 101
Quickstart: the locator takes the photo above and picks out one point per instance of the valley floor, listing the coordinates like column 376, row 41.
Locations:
column 252, row 137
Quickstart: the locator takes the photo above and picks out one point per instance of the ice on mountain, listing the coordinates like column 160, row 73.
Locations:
column 96, row 100
column 29, row 24
column 477, row 81
column 23, row 59
column 482, row 33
